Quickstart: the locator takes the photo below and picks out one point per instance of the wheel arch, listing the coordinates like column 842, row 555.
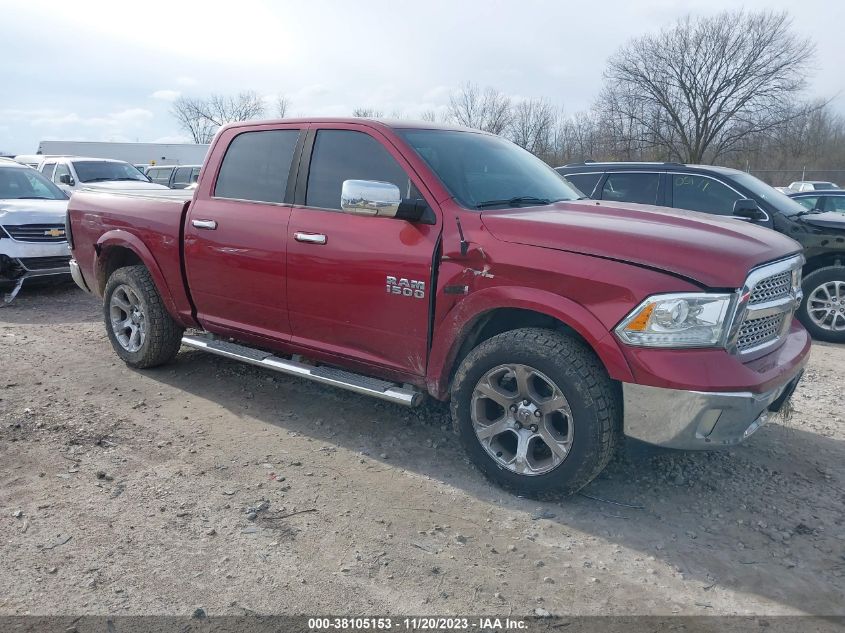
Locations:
column 116, row 249
column 490, row 312
column 823, row 260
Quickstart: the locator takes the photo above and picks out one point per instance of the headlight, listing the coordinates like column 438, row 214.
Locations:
column 678, row 320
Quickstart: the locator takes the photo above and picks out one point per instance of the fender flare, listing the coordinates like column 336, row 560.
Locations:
column 457, row 324
column 125, row 239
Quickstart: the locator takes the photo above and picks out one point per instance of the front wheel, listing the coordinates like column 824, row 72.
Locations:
column 822, row 310
column 140, row 329
column 536, row 411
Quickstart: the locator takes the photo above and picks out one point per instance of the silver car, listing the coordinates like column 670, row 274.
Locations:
column 32, row 229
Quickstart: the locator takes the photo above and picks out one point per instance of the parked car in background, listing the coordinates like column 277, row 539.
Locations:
column 32, row 228
column 143, row 167
column 30, row 160
column 467, row 270
column 76, row 172
column 827, row 200
column 729, row 192
column 783, row 189
column 174, row 176
column 812, row 185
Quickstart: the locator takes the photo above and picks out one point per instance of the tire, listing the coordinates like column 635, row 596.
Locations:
column 159, row 336
column 586, row 430
column 824, row 326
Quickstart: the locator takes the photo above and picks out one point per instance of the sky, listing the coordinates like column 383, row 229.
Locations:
column 108, row 71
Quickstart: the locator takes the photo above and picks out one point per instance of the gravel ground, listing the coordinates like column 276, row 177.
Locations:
column 208, row 483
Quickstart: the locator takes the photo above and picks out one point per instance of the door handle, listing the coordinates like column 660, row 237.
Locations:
column 209, row 225
column 310, row 238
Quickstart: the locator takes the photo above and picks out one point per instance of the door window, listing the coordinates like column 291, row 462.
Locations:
column 182, row 177
column 808, row 201
column 349, row 155
column 256, row 166
column 834, row 203
column 585, row 183
column 47, row 169
column 701, row 193
column 631, row 187
column 160, row 175
column 61, row 170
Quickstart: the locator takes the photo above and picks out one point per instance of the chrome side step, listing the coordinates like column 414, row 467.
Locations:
column 408, row 396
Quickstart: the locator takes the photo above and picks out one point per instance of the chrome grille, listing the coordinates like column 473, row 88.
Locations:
column 36, row 232
column 774, row 287
column 767, row 303
column 755, row 332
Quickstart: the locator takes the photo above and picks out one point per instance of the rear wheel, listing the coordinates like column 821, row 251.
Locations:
column 536, row 411
column 822, row 310
column 140, row 330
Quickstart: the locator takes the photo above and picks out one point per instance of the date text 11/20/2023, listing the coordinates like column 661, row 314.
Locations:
column 416, row 624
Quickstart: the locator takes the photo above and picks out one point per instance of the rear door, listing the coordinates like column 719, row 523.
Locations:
column 236, row 234
column 358, row 286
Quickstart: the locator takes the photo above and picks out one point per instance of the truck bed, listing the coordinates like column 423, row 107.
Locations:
column 103, row 224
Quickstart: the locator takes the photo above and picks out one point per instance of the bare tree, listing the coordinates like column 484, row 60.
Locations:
column 202, row 117
column 698, row 88
column 532, row 125
column 282, row 106
column 488, row 109
column 367, row 113
column 428, row 115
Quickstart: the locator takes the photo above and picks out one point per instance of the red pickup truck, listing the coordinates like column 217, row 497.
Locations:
column 398, row 260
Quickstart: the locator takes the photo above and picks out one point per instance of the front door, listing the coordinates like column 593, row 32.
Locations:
column 236, row 235
column 359, row 286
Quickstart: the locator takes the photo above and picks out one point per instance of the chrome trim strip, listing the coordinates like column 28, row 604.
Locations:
column 76, row 273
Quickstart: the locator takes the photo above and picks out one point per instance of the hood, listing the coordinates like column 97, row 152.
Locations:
column 716, row 252
column 122, row 185
column 14, row 212
column 827, row 220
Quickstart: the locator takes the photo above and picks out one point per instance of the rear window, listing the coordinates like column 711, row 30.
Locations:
column 256, row 166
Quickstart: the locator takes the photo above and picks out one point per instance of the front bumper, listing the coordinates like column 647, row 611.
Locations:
column 689, row 420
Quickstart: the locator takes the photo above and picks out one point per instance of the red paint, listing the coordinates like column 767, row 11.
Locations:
column 585, row 264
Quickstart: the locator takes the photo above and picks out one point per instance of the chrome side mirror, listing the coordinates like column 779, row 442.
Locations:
column 370, row 197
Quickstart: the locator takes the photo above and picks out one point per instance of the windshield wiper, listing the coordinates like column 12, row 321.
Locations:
column 513, row 201
column 101, row 179
column 34, row 198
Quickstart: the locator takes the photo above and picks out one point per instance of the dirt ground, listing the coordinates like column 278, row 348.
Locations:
column 208, row 483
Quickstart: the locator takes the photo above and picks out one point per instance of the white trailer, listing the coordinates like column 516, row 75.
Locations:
column 134, row 153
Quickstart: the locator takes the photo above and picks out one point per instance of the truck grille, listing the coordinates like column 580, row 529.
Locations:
column 45, row 263
column 774, row 287
column 754, row 332
column 773, row 294
column 50, row 233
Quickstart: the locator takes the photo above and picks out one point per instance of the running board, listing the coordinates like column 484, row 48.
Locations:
column 408, row 396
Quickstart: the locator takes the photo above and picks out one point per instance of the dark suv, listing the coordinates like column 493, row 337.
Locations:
column 724, row 191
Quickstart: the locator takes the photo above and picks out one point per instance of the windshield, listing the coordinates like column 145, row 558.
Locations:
column 483, row 171
column 825, row 185
column 19, row 183
column 780, row 201
column 101, row 170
